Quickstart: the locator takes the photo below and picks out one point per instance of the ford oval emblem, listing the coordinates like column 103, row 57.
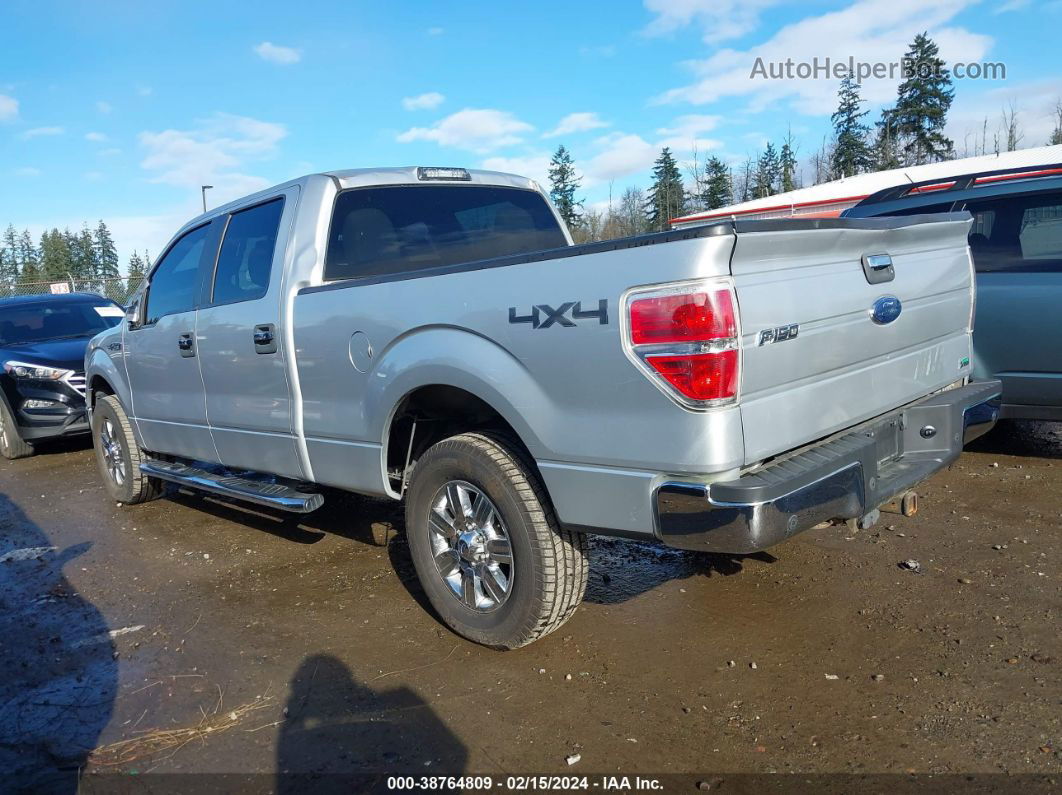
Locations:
column 886, row 309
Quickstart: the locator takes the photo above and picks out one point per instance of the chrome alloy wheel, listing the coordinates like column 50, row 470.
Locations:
column 112, row 453
column 470, row 546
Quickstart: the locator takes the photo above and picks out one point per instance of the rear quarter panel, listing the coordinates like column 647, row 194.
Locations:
column 571, row 393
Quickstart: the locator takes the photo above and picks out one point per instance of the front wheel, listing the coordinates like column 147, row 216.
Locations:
column 12, row 445
column 119, row 455
column 488, row 551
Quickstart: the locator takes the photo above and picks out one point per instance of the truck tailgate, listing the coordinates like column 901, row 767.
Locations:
column 814, row 358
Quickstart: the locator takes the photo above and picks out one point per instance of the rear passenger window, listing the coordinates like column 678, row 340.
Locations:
column 1020, row 233
column 174, row 280
column 396, row 229
column 246, row 257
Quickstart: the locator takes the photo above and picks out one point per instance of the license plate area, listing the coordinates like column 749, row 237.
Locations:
column 888, row 439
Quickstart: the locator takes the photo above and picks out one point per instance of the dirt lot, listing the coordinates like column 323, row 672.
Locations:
column 191, row 635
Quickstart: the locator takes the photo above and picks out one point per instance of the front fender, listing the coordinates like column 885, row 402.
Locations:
column 100, row 362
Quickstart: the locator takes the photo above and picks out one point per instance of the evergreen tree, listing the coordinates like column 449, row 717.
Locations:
column 137, row 270
column 922, row 103
column 767, row 172
column 667, row 196
column 29, row 260
column 564, row 182
column 82, row 257
column 851, row 155
column 106, row 253
column 55, row 256
column 787, row 164
column 886, row 152
column 718, row 191
column 10, row 259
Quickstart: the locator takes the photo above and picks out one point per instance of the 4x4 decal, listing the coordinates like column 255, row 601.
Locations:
column 544, row 315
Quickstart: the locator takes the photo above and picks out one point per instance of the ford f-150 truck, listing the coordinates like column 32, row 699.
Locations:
column 432, row 335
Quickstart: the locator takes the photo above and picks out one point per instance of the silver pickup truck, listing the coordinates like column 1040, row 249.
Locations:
column 432, row 335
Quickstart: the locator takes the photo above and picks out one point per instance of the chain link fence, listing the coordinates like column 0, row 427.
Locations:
column 118, row 290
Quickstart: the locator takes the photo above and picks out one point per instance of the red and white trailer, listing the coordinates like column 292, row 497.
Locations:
column 830, row 199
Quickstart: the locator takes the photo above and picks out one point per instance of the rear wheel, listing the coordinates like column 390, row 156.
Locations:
column 487, row 548
column 12, row 445
column 118, row 454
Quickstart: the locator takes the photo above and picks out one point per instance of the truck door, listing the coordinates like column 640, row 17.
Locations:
column 162, row 364
column 1016, row 243
column 240, row 341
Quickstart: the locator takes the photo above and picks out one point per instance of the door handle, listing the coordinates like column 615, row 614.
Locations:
column 186, row 345
column 265, row 338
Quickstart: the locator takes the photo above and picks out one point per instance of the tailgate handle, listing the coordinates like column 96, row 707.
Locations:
column 878, row 268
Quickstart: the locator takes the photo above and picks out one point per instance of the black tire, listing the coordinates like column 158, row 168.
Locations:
column 12, row 445
column 548, row 566
column 112, row 433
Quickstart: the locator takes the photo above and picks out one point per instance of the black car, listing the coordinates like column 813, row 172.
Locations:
column 42, row 352
column 1016, row 245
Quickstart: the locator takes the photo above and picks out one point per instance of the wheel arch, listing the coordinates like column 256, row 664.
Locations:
column 432, row 412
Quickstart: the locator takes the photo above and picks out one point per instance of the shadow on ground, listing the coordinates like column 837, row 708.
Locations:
column 58, row 675
column 338, row 734
column 1022, row 438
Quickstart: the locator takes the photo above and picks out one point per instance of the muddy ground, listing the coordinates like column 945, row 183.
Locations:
column 190, row 635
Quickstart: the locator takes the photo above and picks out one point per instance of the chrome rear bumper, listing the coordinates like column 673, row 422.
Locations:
column 843, row 477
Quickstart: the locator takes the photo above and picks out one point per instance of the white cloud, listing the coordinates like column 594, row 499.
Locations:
column 576, row 123
column 534, row 166
column 685, row 134
column 40, row 132
column 868, row 30
column 436, row 31
column 477, row 130
column 721, row 19
column 144, row 91
column 598, row 51
column 1034, row 103
column 96, row 137
column 619, row 155
column 277, row 53
column 104, row 107
column 8, row 108
column 109, row 152
column 1011, row 5
column 28, row 171
column 432, row 99
column 212, row 153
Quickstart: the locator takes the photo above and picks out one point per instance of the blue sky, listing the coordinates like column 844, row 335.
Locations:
column 120, row 110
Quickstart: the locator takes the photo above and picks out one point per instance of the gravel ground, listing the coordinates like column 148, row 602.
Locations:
column 191, row 635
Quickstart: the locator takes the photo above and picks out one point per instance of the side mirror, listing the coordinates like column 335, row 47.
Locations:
column 132, row 314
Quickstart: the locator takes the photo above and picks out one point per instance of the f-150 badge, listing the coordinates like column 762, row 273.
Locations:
column 779, row 334
column 544, row 315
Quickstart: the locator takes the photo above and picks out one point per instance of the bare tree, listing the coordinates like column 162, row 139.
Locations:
column 1011, row 128
column 1056, row 134
column 630, row 219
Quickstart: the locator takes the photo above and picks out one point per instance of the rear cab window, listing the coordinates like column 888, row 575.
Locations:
column 397, row 229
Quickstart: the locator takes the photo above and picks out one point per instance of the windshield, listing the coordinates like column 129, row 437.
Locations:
column 40, row 322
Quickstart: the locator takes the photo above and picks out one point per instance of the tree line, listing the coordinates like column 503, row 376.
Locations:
column 87, row 258
column 908, row 132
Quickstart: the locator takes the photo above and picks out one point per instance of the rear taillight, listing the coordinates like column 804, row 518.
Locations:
column 685, row 338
